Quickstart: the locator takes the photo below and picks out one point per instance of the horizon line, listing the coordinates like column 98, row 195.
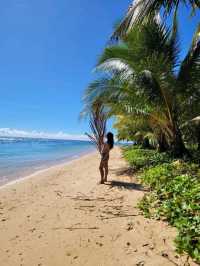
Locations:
column 34, row 134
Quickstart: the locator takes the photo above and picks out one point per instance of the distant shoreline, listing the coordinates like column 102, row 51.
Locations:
column 42, row 138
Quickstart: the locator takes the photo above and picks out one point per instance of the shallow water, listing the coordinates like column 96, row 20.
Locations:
column 23, row 156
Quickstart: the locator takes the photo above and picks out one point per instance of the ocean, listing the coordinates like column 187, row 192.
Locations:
column 23, row 156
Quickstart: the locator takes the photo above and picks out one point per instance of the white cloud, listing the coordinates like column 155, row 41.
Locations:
column 9, row 132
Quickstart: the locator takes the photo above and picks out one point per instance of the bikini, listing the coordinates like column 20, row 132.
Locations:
column 104, row 156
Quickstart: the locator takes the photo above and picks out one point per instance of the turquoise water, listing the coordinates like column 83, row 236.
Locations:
column 22, row 156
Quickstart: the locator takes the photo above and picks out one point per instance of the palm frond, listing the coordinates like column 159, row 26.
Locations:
column 103, row 89
column 98, row 120
column 133, row 16
column 118, row 67
column 189, row 73
column 142, row 9
column 115, row 51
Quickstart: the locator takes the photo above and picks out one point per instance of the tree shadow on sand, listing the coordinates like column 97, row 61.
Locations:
column 125, row 171
column 128, row 171
column 126, row 185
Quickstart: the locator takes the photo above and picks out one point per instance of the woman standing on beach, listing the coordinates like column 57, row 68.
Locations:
column 103, row 167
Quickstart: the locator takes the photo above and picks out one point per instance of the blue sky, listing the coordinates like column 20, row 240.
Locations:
column 47, row 52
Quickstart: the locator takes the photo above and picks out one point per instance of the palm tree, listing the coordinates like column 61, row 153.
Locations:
column 147, row 64
column 140, row 9
column 137, row 120
column 135, row 129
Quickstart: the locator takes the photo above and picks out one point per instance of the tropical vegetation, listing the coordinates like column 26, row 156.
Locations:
column 149, row 84
column 174, row 194
column 153, row 93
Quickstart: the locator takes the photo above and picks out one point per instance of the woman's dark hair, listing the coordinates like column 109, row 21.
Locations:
column 110, row 139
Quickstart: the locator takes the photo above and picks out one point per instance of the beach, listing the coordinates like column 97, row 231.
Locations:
column 61, row 216
column 20, row 157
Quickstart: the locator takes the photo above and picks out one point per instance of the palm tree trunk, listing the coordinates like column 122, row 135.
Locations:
column 198, row 138
column 145, row 143
column 162, row 143
column 178, row 146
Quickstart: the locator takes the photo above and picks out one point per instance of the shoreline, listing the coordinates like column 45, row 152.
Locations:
column 46, row 169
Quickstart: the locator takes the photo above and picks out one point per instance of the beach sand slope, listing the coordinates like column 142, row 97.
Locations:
column 61, row 217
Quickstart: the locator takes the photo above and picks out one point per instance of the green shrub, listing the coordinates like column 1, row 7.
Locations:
column 157, row 177
column 142, row 158
column 188, row 238
column 174, row 196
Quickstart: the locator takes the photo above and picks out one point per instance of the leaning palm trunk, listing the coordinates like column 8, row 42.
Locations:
column 196, row 120
column 178, row 146
column 146, row 143
column 163, row 145
column 198, row 139
column 175, row 143
column 98, row 120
